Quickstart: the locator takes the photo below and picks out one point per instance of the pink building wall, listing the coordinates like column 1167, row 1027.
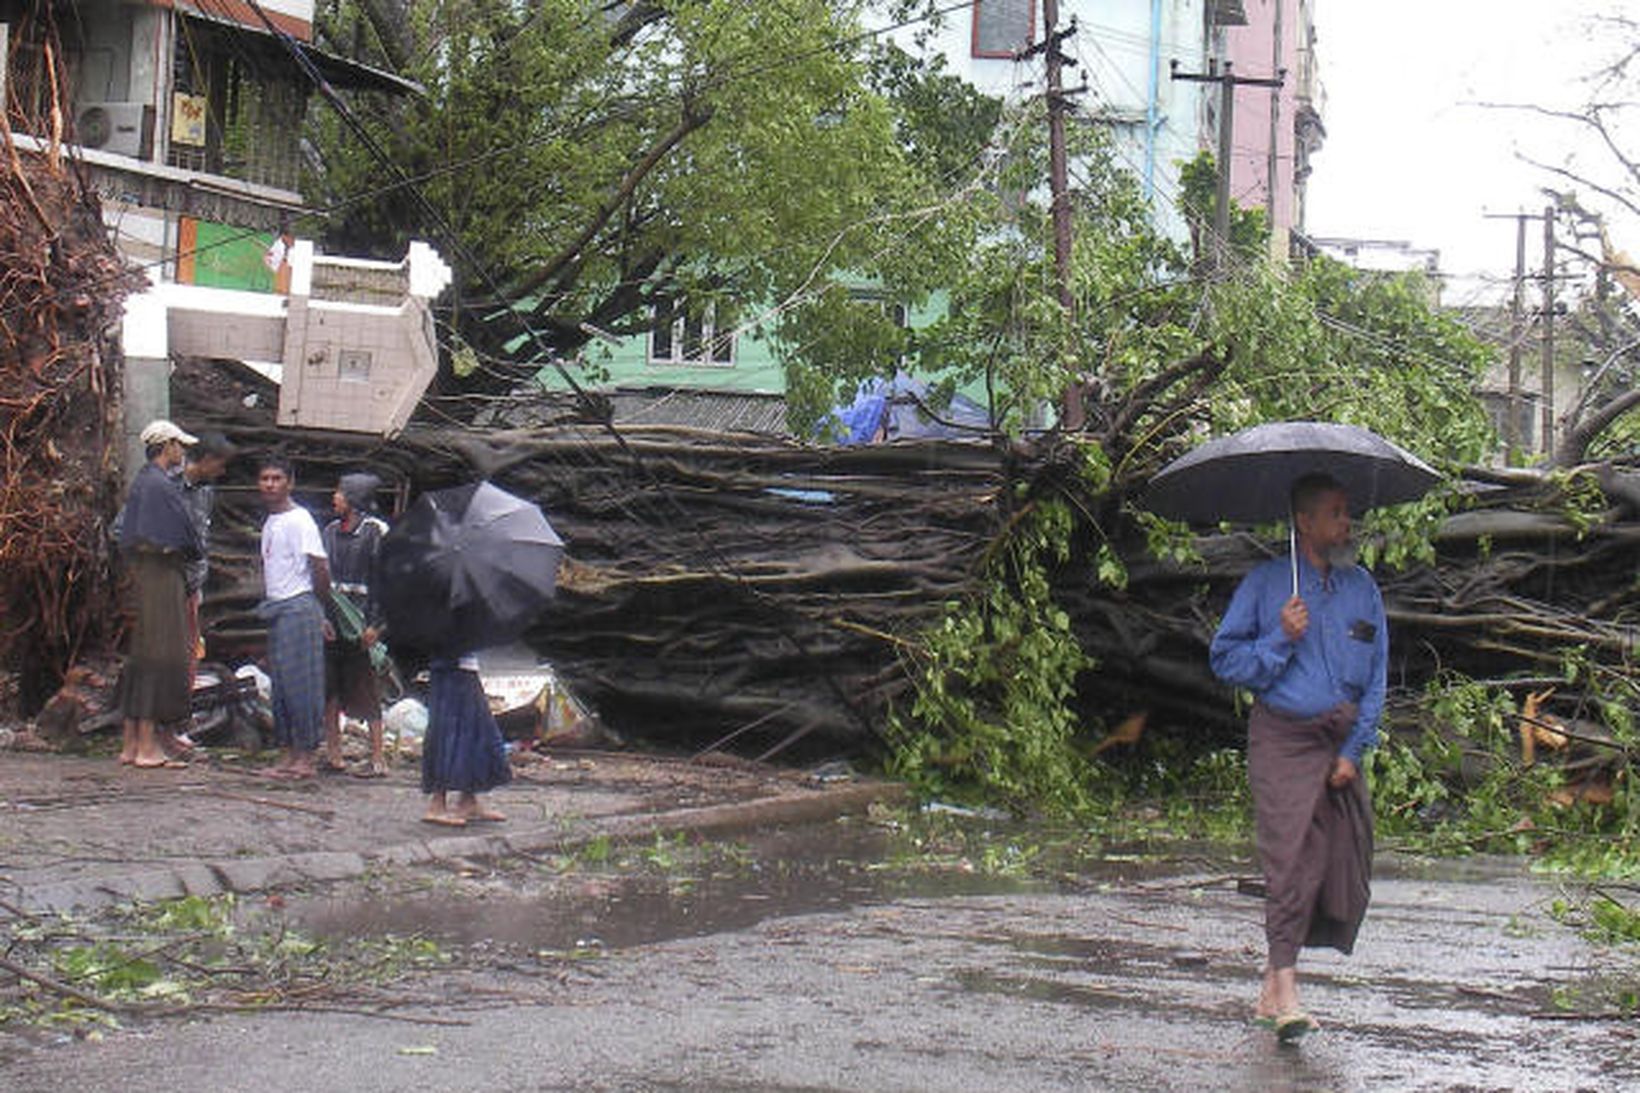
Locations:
column 1256, row 51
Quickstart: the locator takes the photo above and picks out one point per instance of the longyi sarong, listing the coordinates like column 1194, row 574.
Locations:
column 296, row 664
column 1314, row 842
column 463, row 751
column 154, row 685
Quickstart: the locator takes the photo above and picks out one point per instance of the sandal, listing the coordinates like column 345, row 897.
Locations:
column 163, row 764
column 1293, row 1027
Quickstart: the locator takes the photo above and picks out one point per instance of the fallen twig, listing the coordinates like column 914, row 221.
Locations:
column 57, row 986
column 309, row 1007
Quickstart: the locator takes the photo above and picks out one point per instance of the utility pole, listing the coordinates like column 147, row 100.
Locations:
column 1517, row 334
column 1073, row 414
column 1227, row 132
column 1547, row 343
column 1222, row 75
column 1058, row 181
column 1272, row 166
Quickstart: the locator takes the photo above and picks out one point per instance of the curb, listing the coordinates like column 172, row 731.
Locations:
column 245, row 875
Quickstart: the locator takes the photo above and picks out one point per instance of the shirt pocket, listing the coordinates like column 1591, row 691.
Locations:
column 1357, row 648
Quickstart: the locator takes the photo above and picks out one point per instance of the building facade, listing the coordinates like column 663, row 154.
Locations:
column 187, row 115
column 1276, row 131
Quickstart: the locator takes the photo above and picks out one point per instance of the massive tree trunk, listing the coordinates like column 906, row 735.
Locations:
column 62, row 285
column 743, row 587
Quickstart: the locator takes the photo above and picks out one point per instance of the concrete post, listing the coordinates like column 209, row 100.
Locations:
column 147, row 380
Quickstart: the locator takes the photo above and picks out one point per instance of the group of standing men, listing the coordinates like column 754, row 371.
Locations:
column 318, row 650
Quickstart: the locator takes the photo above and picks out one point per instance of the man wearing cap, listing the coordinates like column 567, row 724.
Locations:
column 158, row 538
column 352, row 542
column 207, row 462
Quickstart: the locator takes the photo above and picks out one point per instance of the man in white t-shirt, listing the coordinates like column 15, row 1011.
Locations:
column 295, row 574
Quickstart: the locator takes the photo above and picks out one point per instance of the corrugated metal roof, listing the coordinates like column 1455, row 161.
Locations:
column 720, row 411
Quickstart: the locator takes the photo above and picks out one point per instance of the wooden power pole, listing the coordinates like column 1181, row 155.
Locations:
column 1547, row 343
column 1058, row 170
column 1222, row 75
column 1272, row 163
column 1512, row 440
column 1073, row 415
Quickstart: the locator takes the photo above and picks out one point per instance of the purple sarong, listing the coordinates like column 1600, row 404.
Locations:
column 1314, row 842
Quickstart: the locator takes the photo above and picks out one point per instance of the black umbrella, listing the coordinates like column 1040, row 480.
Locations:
column 466, row 568
column 1245, row 478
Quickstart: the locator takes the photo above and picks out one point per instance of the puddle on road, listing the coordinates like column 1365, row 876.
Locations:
column 1040, row 990
column 778, row 873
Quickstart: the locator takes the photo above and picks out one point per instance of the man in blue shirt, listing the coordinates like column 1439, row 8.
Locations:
column 1307, row 636
column 158, row 538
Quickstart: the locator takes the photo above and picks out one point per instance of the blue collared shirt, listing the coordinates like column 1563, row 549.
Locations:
column 156, row 515
column 1342, row 657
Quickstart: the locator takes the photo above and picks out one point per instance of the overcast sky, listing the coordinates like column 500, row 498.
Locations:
column 1410, row 155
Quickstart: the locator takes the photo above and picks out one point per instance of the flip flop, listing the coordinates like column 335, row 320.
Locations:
column 1293, row 1027
column 1264, row 1021
column 166, row 764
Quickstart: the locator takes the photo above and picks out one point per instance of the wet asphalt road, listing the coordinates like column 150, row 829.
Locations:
column 1462, row 980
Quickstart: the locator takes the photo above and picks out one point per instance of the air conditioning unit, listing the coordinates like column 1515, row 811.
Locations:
column 123, row 128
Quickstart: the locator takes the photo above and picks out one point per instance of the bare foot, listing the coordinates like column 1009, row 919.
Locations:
column 162, row 763
column 1267, row 1008
column 471, row 809
column 1280, row 995
column 443, row 819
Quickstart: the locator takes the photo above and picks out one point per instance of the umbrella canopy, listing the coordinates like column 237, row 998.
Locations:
column 466, row 568
column 1245, row 478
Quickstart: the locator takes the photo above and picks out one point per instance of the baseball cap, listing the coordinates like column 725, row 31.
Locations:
column 160, row 431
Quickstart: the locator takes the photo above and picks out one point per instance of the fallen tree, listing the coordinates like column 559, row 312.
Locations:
column 759, row 593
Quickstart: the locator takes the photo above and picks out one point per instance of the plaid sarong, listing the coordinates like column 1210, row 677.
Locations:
column 296, row 662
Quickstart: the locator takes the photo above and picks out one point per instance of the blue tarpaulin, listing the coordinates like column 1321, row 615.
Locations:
column 892, row 410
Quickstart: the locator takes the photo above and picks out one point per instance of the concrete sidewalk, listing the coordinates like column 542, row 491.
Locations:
column 83, row 833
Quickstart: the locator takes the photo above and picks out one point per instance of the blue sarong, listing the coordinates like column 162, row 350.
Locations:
column 296, row 663
column 463, row 751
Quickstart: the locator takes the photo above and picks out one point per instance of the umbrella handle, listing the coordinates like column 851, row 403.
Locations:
column 1292, row 548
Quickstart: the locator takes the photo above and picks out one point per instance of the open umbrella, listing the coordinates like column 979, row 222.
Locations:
column 1245, row 478
column 466, row 568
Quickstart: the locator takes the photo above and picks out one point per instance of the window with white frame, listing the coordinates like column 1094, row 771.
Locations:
column 893, row 310
column 686, row 334
column 1003, row 28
